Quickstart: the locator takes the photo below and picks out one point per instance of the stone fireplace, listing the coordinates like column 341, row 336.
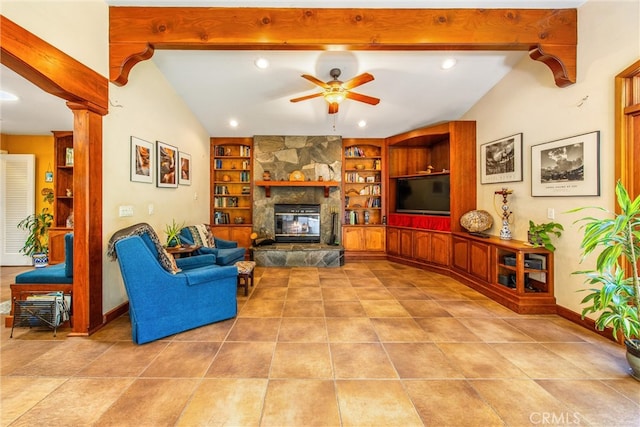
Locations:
column 315, row 157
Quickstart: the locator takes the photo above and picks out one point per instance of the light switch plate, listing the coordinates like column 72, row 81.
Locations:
column 126, row 211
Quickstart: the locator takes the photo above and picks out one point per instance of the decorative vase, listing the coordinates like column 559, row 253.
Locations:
column 633, row 358
column 266, row 176
column 40, row 260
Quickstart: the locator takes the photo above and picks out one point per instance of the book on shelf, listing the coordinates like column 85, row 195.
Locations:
column 221, row 189
column 353, row 152
column 245, row 151
column 220, row 218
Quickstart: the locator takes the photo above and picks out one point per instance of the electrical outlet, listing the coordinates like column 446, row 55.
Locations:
column 150, row 208
column 551, row 213
column 126, row 211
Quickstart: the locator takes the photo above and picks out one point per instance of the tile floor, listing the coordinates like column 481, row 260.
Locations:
column 370, row 343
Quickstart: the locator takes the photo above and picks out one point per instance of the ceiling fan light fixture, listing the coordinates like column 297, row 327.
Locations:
column 335, row 96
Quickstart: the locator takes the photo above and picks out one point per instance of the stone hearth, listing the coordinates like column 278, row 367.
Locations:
column 298, row 255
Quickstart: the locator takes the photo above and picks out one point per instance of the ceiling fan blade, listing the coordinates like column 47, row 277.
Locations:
column 304, row 98
column 357, row 81
column 333, row 108
column 315, row 81
column 363, row 98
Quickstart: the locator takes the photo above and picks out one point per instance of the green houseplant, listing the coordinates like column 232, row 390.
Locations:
column 37, row 243
column 540, row 234
column 173, row 233
column 615, row 287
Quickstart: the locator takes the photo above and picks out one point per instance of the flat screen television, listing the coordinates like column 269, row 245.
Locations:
column 426, row 195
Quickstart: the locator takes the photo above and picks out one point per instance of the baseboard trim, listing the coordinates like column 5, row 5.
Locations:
column 586, row 323
column 116, row 312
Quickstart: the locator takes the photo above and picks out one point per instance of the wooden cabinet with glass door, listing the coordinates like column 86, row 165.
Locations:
column 363, row 233
column 231, row 189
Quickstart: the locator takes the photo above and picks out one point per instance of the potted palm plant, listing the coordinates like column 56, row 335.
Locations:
column 539, row 235
column 173, row 233
column 614, row 283
column 37, row 244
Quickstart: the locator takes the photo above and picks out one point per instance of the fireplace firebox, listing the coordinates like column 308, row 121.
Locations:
column 297, row 223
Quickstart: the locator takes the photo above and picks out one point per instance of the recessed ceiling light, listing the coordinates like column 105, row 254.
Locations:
column 233, row 123
column 7, row 96
column 362, row 123
column 262, row 63
column 448, row 63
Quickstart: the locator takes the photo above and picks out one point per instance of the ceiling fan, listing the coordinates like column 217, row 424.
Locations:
column 336, row 91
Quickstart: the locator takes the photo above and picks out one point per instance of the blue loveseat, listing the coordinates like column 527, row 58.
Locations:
column 163, row 303
column 226, row 252
column 58, row 277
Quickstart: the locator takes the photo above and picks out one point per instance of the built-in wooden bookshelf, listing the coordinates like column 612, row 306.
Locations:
column 363, row 197
column 231, row 189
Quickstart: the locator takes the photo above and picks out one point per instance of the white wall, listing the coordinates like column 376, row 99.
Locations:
column 147, row 107
column 528, row 101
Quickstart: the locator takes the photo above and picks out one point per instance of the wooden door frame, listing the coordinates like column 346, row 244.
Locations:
column 627, row 103
column 86, row 93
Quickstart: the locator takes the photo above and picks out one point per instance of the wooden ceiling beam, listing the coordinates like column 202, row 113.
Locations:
column 549, row 35
column 57, row 73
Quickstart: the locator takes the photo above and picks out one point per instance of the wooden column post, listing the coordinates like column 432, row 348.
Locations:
column 87, row 246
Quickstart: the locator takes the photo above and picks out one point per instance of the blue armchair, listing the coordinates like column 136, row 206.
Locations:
column 226, row 252
column 163, row 303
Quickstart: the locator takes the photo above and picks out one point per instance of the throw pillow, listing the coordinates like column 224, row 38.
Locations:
column 168, row 262
column 212, row 241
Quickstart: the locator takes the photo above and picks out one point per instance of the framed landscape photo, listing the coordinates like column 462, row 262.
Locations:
column 141, row 160
column 184, row 160
column 501, row 160
column 566, row 167
column 166, row 165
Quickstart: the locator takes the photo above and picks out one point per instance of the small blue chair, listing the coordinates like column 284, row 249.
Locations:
column 227, row 252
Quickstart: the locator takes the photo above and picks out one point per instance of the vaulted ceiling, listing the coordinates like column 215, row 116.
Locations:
column 221, row 85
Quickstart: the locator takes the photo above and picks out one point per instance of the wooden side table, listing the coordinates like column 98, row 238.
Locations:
column 183, row 251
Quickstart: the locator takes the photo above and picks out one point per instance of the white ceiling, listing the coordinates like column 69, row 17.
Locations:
column 222, row 85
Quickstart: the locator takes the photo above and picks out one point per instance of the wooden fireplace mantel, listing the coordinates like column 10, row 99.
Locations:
column 268, row 184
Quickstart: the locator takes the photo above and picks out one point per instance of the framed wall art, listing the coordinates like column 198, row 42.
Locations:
column 501, row 160
column 184, row 160
column 166, row 165
column 141, row 160
column 566, row 167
